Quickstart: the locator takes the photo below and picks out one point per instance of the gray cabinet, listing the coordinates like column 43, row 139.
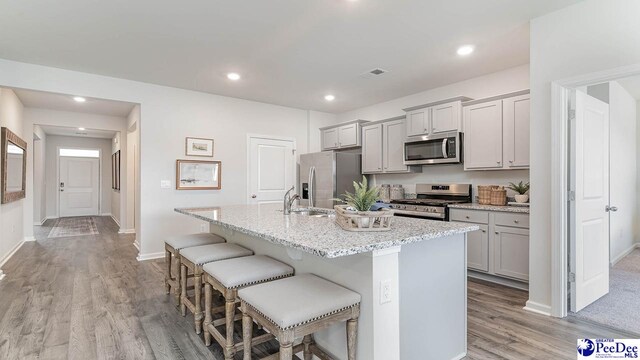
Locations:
column 341, row 136
column 418, row 122
column 383, row 147
column 435, row 118
column 496, row 132
column 500, row 249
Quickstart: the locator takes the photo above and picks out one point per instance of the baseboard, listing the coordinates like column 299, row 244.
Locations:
column 1, row 275
column 137, row 245
column 538, row 308
column 460, row 356
column 624, row 253
column 35, row 223
column 151, row 256
column 498, row 280
column 127, row 231
column 11, row 253
column 29, row 238
column 114, row 219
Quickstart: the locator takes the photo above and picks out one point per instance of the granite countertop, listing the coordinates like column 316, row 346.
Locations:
column 476, row 206
column 321, row 236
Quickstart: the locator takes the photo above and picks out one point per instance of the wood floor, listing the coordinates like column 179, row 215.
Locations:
column 78, row 298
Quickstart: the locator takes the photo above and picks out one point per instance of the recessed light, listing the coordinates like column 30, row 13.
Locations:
column 233, row 76
column 82, row 129
column 79, row 99
column 329, row 97
column 465, row 50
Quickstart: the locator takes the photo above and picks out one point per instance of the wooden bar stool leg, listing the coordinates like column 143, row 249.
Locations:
column 352, row 335
column 247, row 334
column 197, row 280
column 178, row 281
column 183, row 282
column 306, row 341
column 286, row 351
column 230, row 312
column 167, row 276
column 208, row 300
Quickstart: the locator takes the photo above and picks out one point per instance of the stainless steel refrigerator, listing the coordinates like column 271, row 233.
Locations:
column 326, row 175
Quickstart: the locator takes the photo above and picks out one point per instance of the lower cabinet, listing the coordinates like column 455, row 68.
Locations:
column 501, row 247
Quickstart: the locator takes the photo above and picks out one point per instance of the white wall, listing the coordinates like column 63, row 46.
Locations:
column 316, row 121
column 39, row 169
column 53, row 143
column 590, row 36
column 506, row 81
column 11, row 214
column 168, row 115
column 132, row 162
column 623, row 179
column 636, row 225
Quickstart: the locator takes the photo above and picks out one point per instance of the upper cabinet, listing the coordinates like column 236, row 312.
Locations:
column 342, row 136
column 383, row 146
column 496, row 132
column 435, row 118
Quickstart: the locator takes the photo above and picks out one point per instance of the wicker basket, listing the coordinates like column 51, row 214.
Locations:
column 499, row 196
column 484, row 194
column 363, row 220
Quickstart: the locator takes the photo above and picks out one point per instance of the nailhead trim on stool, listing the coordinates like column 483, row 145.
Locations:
column 192, row 260
column 172, row 247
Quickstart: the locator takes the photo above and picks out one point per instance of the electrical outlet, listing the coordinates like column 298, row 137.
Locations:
column 165, row 184
column 385, row 291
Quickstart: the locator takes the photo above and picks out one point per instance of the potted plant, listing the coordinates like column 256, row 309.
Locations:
column 358, row 206
column 521, row 189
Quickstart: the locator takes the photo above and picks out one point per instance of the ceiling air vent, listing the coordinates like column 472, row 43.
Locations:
column 377, row 71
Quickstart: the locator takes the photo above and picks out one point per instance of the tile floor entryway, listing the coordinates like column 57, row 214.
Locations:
column 87, row 297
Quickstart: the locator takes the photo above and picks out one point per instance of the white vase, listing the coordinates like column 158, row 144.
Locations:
column 522, row 198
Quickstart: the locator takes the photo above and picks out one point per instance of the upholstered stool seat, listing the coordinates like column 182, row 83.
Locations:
column 227, row 276
column 192, row 260
column 172, row 247
column 299, row 306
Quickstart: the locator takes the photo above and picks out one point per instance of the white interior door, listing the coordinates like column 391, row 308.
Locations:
column 79, row 186
column 590, row 215
column 271, row 169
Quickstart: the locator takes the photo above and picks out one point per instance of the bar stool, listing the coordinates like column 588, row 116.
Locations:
column 172, row 247
column 227, row 276
column 299, row 306
column 192, row 260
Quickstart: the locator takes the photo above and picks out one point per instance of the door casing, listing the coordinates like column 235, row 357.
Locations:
column 100, row 200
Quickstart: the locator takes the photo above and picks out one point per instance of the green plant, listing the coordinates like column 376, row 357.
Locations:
column 363, row 197
column 521, row 188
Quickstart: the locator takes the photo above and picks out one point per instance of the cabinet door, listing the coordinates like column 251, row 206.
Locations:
column 348, row 136
column 483, row 136
column 478, row 249
column 418, row 122
column 511, row 252
column 393, row 135
column 446, row 117
column 329, row 139
column 372, row 149
column 516, row 131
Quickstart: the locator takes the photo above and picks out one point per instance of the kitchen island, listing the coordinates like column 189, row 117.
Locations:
column 412, row 279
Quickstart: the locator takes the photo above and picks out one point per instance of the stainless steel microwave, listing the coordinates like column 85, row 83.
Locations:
column 443, row 148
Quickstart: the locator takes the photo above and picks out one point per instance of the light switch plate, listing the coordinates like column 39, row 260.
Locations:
column 165, row 184
column 385, row 291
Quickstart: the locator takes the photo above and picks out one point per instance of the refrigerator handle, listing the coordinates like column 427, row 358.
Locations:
column 312, row 174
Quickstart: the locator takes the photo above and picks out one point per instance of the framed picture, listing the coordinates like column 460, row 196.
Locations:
column 118, row 170
column 115, row 170
column 198, row 175
column 199, row 147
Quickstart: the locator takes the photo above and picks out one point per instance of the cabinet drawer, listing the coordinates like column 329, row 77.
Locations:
column 473, row 216
column 513, row 220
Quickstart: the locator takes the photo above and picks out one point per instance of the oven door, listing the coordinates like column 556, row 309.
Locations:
column 439, row 150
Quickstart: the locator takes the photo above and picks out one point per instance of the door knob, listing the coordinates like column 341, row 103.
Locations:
column 253, row 196
column 611, row 208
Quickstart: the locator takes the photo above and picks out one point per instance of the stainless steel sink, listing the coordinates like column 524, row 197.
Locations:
column 309, row 212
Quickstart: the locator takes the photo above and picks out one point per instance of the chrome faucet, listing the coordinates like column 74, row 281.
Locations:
column 288, row 200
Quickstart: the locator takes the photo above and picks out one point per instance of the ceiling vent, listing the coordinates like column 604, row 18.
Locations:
column 377, row 71
column 82, row 133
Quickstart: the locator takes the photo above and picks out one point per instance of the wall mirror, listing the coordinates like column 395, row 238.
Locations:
column 14, row 165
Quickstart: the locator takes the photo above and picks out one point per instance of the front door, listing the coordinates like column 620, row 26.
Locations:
column 79, row 186
column 271, row 169
column 590, row 212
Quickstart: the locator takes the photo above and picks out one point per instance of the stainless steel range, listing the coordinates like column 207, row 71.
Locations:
column 432, row 200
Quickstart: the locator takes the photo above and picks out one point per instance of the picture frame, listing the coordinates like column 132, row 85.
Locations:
column 198, row 147
column 13, row 160
column 198, row 175
column 115, row 170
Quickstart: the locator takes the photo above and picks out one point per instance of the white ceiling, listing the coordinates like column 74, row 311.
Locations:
column 68, row 131
column 289, row 52
column 47, row 100
column 632, row 85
